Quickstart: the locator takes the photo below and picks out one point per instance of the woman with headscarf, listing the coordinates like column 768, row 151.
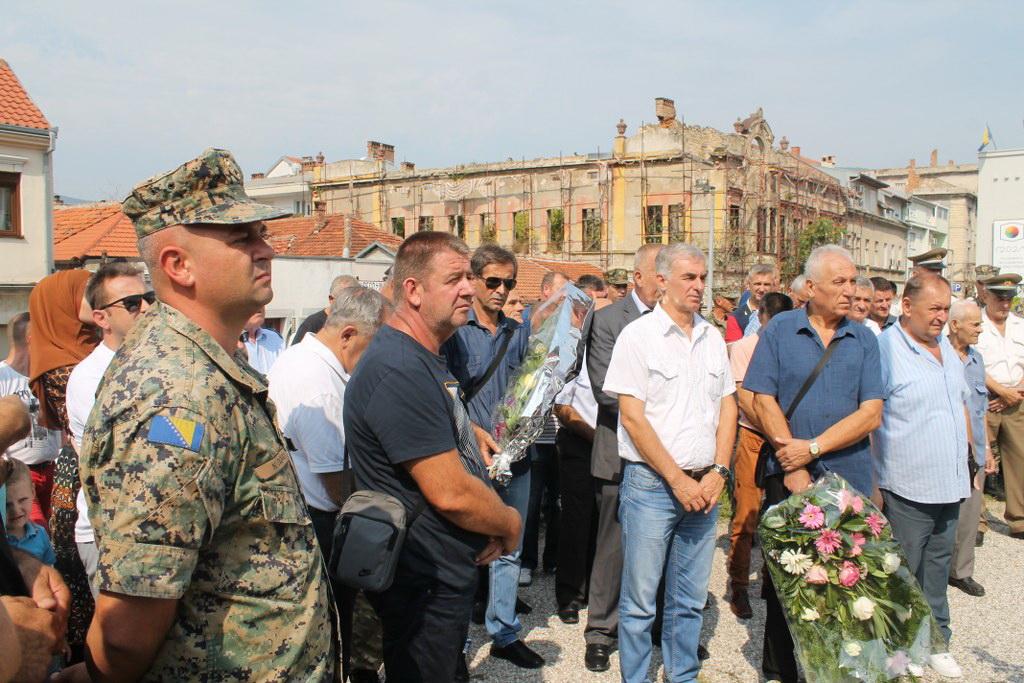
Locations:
column 60, row 339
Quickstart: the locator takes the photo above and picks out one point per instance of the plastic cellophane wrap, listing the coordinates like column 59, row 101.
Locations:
column 519, row 417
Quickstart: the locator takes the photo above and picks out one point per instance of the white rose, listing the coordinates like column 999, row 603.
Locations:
column 852, row 649
column 890, row 563
column 810, row 614
column 773, row 522
column 863, row 608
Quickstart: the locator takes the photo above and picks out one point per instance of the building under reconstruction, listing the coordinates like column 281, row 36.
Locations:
column 666, row 182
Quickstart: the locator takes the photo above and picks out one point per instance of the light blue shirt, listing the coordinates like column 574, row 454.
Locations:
column 977, row 404
column 920, row 451
column 753, row 325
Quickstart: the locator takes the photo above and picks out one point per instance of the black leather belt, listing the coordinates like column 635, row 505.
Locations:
column 41, row 466
column 697, row 475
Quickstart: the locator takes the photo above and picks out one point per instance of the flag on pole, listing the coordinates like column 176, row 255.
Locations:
column 986, row 138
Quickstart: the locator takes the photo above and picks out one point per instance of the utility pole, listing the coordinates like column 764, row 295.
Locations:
column 709, row 296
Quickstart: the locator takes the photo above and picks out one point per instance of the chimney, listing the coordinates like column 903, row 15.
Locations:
column 828, row 160
column 935, row 158
column 951, row 163
column 308, row 164
column 407, row 166
column 784, row 143
column 913, row 181
column 796, row 150
column 258, row 176
column 665, row 110
column 379, row 151
column 319, row 208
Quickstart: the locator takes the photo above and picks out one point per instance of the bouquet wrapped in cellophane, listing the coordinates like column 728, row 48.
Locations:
column 519, row 417
column 855, row 611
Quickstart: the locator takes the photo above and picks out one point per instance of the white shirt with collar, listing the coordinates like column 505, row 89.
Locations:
column 1003, row 354
column 640, row 305
column 307, row 386
column 579, row 394
column 681, row 381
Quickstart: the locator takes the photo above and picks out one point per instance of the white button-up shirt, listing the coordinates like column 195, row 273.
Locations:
column 1003, row 354
column 580, row 395
column 681, row 381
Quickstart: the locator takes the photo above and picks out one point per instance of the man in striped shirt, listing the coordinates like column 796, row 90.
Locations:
column 920, row 450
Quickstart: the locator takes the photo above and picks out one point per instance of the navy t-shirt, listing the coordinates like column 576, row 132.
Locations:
column 402, row 404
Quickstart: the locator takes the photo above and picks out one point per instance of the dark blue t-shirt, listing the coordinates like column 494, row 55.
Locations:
column 400, row 405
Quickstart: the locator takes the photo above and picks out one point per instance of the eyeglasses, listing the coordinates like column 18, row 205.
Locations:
column 133, row 302
column 495, row 282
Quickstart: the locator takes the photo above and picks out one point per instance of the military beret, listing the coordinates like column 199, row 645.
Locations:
column 207, row 190
column 931, row 260
column 617, row 276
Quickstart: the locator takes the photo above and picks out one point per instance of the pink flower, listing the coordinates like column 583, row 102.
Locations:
column 876, row 523
column 849, row 499
column 857, row 542
column 849, row 575
column 812, row 517
column 828, row 541
column 817, row 575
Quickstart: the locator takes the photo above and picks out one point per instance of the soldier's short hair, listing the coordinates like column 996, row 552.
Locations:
column 95, row 289
column 359, row 306
column 415, row 256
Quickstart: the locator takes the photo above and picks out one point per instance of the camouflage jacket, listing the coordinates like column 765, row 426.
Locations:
column 193, row 497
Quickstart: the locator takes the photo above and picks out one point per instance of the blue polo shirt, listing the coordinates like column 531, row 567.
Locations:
column 788, row 350
column 469, row 352
column 977, row 402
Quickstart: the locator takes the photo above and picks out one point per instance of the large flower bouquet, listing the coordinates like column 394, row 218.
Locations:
column 854, row 609
column 519, row 417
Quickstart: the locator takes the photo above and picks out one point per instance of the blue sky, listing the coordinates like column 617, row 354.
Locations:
column 137, row 88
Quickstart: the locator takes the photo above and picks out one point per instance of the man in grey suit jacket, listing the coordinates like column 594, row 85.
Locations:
column 601, row 632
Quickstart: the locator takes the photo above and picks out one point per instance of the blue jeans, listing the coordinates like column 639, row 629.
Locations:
column 501, row 621
column 655, row 527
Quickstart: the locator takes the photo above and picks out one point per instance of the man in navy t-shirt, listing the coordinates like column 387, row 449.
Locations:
column 409, row 435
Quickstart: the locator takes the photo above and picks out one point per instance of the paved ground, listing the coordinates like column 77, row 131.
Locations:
column 987, row 631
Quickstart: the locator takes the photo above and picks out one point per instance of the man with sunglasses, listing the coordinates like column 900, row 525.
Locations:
column 117, row 295
column 482, row 355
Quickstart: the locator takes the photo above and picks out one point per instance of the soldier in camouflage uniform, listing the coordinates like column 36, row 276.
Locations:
column 209, row 567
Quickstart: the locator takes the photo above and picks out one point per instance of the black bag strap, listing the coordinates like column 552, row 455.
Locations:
column 479, row 384
column 809, row 382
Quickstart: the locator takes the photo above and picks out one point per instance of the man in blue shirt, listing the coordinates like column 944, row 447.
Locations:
column 921, row 447
column 829, row 429
column 489, row 337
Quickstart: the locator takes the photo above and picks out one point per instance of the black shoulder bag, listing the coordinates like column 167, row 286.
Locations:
column 498, row 357
column 767, row 449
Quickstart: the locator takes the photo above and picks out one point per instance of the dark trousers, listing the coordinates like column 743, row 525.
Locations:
column 425, row 627
column 578, row 519
column 344, row 597
column 543, row 504
column 779, row 660
column 606, row 576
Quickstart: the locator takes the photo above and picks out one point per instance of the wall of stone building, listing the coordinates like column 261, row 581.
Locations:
column 962, row 240
column 1000, row 194
column 878, row 247
column 26, row 259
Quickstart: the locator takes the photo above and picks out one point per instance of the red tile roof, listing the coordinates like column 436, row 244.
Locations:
column 531, row 272
column 315, row 236
column 16, row 107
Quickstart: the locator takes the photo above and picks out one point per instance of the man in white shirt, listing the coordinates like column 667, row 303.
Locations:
column 307, row 385
column 118, row 295
column 39, row 449
column 1001, row 345
column 263, row 345
column 677, row 425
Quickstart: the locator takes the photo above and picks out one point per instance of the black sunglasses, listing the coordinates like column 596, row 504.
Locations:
column 495, row 282
column 133, row 302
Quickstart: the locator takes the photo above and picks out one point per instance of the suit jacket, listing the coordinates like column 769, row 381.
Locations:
column 607, row 323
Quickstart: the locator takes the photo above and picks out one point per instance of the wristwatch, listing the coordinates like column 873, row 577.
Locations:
column 723, row 471
column 814, row 449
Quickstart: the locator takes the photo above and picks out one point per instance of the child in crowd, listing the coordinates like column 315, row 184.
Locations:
column 22, row 533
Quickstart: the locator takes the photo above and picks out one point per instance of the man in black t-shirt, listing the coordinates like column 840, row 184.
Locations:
column 315, row 321
column 409, row 435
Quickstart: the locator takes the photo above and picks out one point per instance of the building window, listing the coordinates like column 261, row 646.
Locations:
column 426, row 224
column 653, row 227
column 10, row 205
column 521, row 232
column 591, row 230
column 556, row 229
column 676, row 223
column 734, row 218
column 398, row 226
column 783, row 245
column 772, row 245
column 487, row 229
column 457, row 226
column 762, row 230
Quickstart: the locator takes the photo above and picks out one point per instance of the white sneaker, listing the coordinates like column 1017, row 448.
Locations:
column 915, row 670
column 944, row 665
column 525, row 577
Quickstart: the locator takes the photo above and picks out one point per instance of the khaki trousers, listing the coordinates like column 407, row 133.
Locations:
column 747, row 503
column 962, row 566
column 1007, row 430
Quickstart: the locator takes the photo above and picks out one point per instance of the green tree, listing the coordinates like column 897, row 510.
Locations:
column 821, row 231
column 521, row 232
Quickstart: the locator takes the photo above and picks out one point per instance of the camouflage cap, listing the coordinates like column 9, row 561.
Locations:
column 206, row 190
column 617, row 276
column 981, row 272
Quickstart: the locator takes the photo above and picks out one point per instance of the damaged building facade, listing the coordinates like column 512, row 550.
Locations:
column 666, row 182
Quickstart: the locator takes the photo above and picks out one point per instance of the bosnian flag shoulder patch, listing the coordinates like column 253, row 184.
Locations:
column 176, row 431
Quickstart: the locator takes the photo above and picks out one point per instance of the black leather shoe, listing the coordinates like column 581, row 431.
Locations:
column 979, row 540
column 479, row 611
column 740, row 605
column 1017, row 534
column 570, row 614
column 702, row 652
column 519, row 654
column 522, row 607
column 968, row 585
column 462, row 670
column 596, row 658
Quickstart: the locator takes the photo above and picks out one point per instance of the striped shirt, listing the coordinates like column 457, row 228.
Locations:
column 920, row 451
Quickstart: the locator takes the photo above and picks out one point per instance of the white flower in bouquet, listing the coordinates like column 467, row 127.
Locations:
column 795, row 562
column 810, row 614
column 853, row 649
column 863, row 608
column 773, row 522
column 902, row 614
column 890, row 563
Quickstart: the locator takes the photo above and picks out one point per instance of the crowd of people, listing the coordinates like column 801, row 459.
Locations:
column 174, row 471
